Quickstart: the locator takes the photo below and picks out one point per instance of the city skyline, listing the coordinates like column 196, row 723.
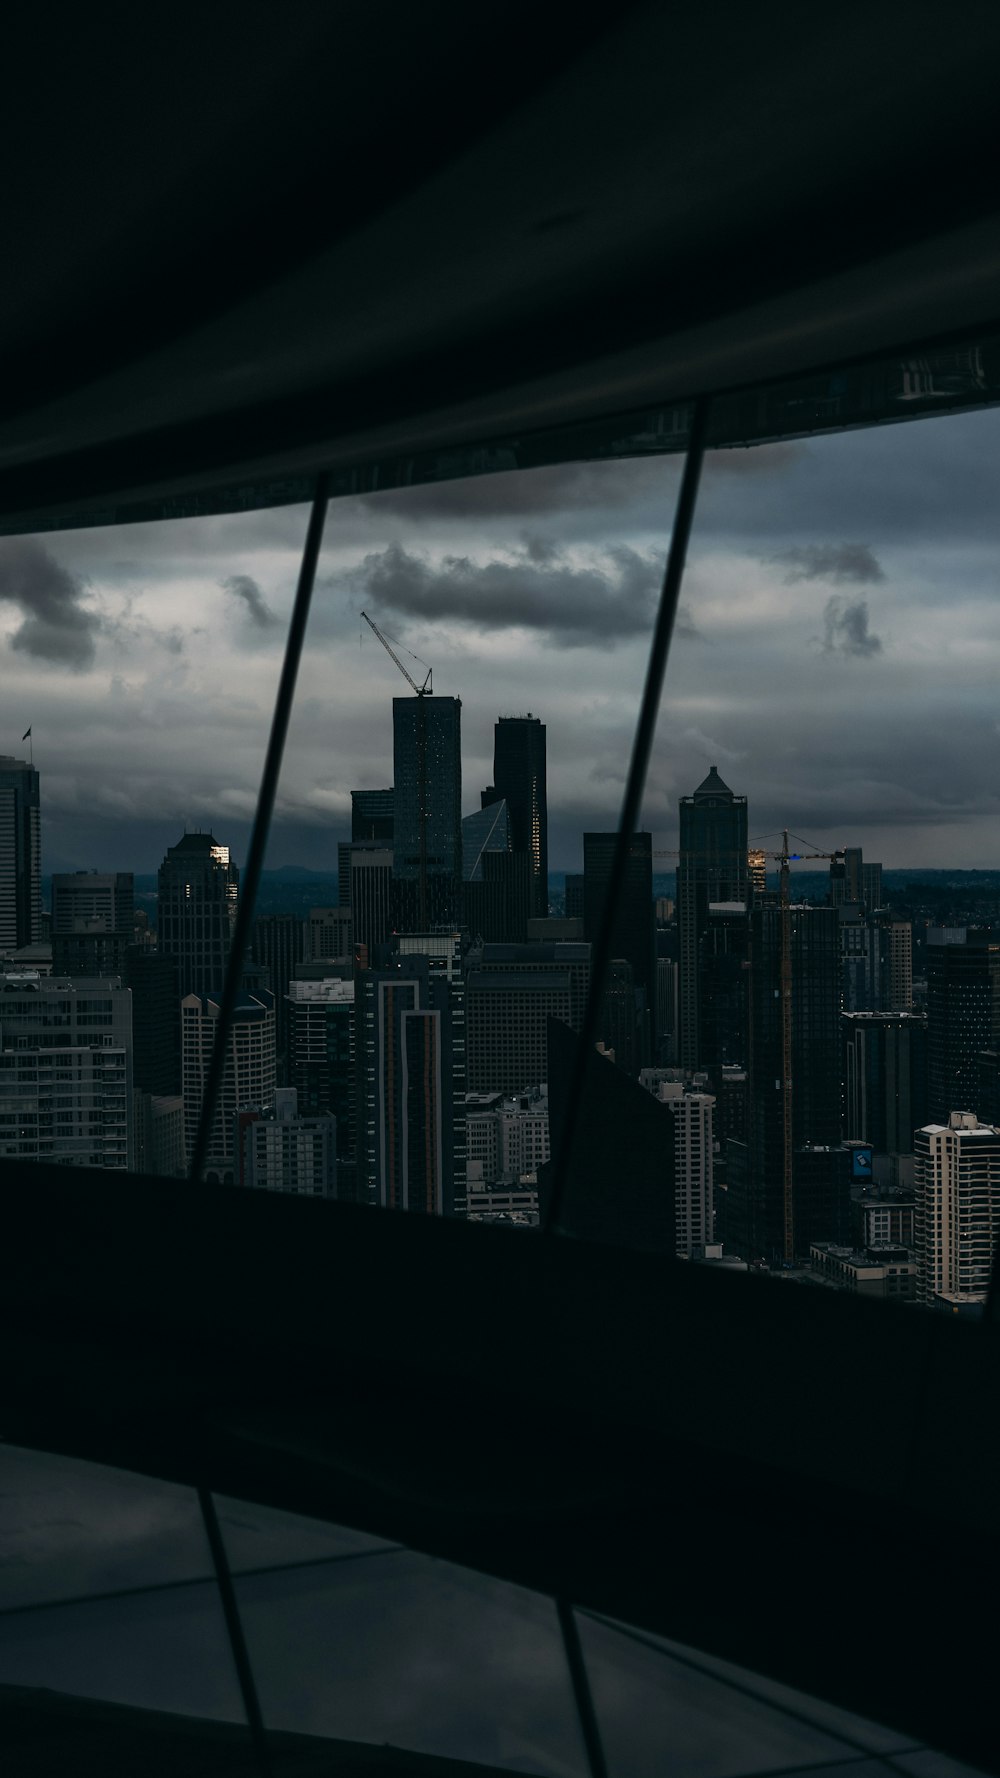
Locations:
column 798, row 665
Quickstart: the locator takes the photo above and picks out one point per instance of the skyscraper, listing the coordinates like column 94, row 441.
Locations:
column 712, row 867
column 66, row 1071
column 405, row 1093
column 20, row 855
column 278, row 943
column 373, row 815
column 519, row 778
column 198, row 892
column 427, row 863
column 963, row 1019
column 885, row 1078
column 92, row 921
column 248, row 1074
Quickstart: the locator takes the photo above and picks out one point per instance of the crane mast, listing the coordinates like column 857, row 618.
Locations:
column 422, row 691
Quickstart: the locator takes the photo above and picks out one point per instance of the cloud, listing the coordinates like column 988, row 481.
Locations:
column 244, row 587
column 839, row 562
column 56, row 627
column 846, row 628
column 612, row 598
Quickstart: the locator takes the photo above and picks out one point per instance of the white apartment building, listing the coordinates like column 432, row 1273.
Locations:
column 248, row 1077
column 281, row 1151
column 509, row 1137
column 956, row 1176
column 694, row 1201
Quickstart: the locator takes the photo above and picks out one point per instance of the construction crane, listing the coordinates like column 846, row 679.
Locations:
column 785, row 858
column 423, row 691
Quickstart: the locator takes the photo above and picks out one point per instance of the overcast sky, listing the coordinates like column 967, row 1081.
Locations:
column 837, row 657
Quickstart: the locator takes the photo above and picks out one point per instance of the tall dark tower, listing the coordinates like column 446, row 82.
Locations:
column 198, row 892
column 519, row 778
column 632, row 934
column 20, row 854
column 427, row 756
column 963, row 1018
column 712, row 867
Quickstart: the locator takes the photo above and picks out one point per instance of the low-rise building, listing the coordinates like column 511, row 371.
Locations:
column 879, row 1270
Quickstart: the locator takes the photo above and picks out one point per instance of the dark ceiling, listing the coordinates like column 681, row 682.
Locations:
column 243, row 242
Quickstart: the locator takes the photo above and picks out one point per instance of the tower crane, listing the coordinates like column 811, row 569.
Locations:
column 422, row 691
column 784, row 859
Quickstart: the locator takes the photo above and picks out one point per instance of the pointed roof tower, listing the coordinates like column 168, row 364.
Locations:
column 713, row 786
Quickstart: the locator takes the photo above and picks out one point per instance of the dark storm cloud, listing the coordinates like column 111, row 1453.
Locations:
column 846, row 628
column 56, row 626
column 575, row 606
column 838, row 562
column 244, row 587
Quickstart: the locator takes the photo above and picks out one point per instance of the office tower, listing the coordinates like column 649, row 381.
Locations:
column 498, row 901
column 854, row 882
column 956, row 1177
column 963, row 1019
column 371, row 901
column 574, row 897
column 20, row 855
column 861, row 952
column 885, row 1078
column 248, row 1076
column 405, row 1087
column 519, row 778
column 279, row 1149
column 151, row 978
column 427, row 848
column 321, row 1054
column 488, row 830
column 445, row 964
column 560, row 957
column 665, row 1027
column 66, row 1071
column 620, row 1022
column 331, row 933
column 507, row 1015
column 93, row 921
column 711, row 867
column 160, row 1146
column 694, row 1209
column 196, row 914
column 896, row 965
column 373, row 816
column 871, row 887
column 815, row 1074
column 278, row 944
column 632, row 930
column 757, row 872
column 724, row 984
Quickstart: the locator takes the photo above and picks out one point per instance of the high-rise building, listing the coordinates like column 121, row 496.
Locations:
column 427, row 848
column 66, row 1070
column 371, row 898
column 507, row 1015
column 861, row 951
column 885, row 1078
column 815, row 1072
column 574, row 896
column 956, row 1177
column 508, row 1137
column 562, row 957
column 694, row 1208
column 373, row 816
column 633, row 926
column 519, row 778
column 93, row 921
column 711, row 867
column 331, row 933
column 20, row 855
column 248, row 1075
column 321, row 1034
column 724, row 984
column 896, row 967
column 151, row 978
column 963, row 1019
column 279, row 1149
column 160, row 1146
column 198, row 891
column 488, row 830
column 405, row 1087
column 278, row 944
column 498, row 900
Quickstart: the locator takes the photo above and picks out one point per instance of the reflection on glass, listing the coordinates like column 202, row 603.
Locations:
column 69, row 1529
column 262, row 1537
column 166, row 1650
column 418, row 1654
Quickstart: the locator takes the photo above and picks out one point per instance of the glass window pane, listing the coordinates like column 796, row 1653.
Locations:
column 70, row 1528
column 656, row 1715
column 417, row 1653
column 263, row 1537
column 166, row 1650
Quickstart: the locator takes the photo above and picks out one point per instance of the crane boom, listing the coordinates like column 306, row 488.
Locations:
column 422, row 691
